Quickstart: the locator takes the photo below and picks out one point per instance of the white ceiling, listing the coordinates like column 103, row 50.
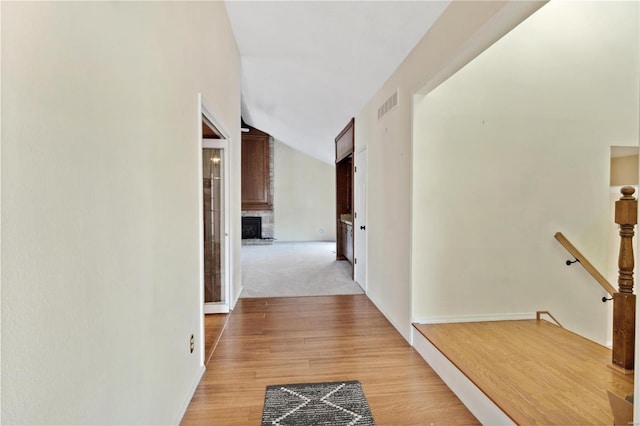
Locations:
column 308, row 67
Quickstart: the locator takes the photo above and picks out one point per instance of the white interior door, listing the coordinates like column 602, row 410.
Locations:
column 215, row 190
column 360, row 220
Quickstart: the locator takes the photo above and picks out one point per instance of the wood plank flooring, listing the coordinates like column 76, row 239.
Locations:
column 535, row 371
column 213, row 326
column 315, row 339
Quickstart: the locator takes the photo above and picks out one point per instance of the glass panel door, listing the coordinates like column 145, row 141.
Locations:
column 213, row 164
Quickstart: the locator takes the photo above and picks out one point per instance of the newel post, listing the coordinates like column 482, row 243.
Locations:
column 624, row 301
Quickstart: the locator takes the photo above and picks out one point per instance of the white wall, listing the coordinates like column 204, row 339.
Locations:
column 460, row 34
column 515, row 147
column 624, row 170
column 100, row 280
column 304, row 196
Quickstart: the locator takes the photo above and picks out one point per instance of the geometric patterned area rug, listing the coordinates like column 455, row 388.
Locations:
column 325, row 404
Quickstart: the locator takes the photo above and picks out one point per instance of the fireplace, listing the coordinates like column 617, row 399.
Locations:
column 251, row 227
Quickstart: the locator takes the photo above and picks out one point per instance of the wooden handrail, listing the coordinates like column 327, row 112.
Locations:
column 606, row 285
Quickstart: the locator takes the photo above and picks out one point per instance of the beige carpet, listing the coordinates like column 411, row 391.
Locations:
column 295, row 269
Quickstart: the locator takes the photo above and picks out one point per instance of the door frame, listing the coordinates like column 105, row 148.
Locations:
column 205, row 112
column 220, row 307
column 361, row 258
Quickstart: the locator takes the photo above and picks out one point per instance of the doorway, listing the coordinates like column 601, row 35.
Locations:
column 216, row 257
column 214, row 164
column 214, row 216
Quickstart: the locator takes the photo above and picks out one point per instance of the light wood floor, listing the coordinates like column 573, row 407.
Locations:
column 316, row 339
column 536, row 372
column 213, row 326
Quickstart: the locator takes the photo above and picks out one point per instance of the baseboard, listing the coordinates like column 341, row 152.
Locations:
column 235, row 298
column 476, row 318
column 393, row 323
column 485, row 410
column 276, row 241
column 192, row 391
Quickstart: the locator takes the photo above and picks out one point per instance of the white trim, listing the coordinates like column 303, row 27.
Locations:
column 485, row 410
column 223, row 144
column 216, row 308
column 477, row 318
column 393, row 323
column 192, row 391
column 412, row 138
column 276, row 241
column 205, row 111
column 199, row 218
column 360, row 268
column 236, row 297
column 361, row 149
column 215, row 143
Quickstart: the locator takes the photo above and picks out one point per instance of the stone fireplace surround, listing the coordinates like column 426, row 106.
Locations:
column 267, row 221
column 251, row 227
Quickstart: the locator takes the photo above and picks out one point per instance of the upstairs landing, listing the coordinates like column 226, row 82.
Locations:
column 534, row 371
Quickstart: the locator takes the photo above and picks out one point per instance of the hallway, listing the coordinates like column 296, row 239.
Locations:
column 317, row 339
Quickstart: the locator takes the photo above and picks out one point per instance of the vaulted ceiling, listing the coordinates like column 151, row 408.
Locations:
column 308, row 67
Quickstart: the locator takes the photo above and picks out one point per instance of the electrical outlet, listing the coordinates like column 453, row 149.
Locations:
column 320, row 231
column 192, row 344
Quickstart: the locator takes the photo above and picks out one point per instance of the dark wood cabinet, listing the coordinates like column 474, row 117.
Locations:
column 256, row 183
column 344, row 143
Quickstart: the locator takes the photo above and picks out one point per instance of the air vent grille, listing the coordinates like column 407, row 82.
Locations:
column 389, row 105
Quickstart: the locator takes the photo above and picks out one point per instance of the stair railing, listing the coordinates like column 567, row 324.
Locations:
column 606, row 285
column 624, row 301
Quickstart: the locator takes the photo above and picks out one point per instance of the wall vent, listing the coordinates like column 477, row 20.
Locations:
column 389, row 105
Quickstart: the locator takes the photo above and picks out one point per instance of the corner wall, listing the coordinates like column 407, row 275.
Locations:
column 463, row 31
column 100, row 248
column 515, row 147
